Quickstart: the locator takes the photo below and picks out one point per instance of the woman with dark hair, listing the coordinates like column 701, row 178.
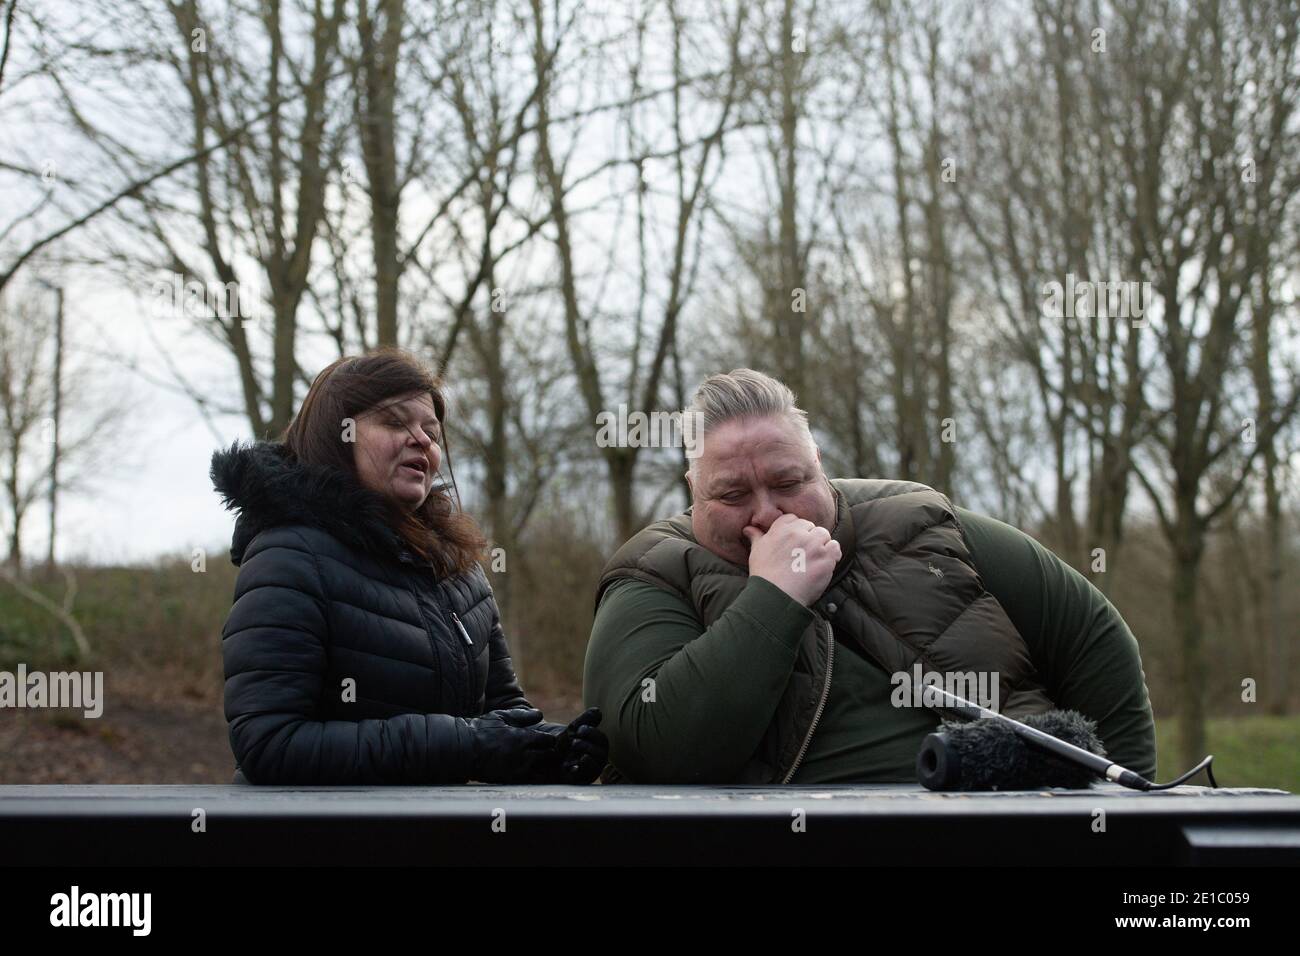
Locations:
column 364, row 645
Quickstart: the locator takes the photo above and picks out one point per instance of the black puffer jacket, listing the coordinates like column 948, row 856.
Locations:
column 345, row 661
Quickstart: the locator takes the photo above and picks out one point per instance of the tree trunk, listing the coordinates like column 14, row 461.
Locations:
column 790, row 326
column 1187, row 621
column 377, row 125
column 621, row 465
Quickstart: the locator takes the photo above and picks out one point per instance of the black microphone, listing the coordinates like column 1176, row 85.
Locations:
column 1059, row 748
column 989, row 754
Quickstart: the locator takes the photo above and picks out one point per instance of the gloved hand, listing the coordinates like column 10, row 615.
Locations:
column 509, row 747
column 549, row 728
column 582, row 750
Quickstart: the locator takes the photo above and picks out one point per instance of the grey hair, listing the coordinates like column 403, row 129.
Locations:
column 742, row 393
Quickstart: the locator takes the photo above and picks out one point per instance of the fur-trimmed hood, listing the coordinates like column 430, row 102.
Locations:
column 267, row 487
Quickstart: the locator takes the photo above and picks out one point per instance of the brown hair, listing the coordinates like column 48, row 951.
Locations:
column 439, row 533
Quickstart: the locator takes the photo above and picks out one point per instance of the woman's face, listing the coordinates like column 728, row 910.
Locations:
column 396, row 451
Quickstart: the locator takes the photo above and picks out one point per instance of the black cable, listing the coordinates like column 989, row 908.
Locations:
column 1204, row 764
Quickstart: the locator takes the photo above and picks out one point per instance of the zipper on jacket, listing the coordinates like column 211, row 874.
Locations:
column 821, row 704
column 467, row 684
column 461, row 627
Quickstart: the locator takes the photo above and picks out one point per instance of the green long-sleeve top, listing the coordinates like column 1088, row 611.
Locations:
column 688, row 704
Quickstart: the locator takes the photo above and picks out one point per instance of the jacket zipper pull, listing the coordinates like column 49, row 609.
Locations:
column 463, row 633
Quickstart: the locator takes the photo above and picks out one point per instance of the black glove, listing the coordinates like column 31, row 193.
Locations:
column 509, row 748
column 582, row 750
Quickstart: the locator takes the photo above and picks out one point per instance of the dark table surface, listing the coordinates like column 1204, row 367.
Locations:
column 882, row 824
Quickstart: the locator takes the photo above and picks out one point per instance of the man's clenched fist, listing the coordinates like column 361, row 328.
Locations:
column 795, row 555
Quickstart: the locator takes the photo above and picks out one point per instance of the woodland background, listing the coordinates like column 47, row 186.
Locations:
column 566, row 207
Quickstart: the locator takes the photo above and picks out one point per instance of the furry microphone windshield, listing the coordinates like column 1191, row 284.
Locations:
column 989, row 755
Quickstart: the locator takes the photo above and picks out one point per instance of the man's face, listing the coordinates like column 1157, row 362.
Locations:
column 750, row 472
column 389, row 439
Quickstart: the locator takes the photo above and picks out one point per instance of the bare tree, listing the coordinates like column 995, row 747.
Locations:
column 693, row 160
column 1040, row 217
column 31, row 450
column 1204, row 230
column 248, row 202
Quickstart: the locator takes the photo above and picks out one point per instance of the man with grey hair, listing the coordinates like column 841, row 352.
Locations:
column 762, row 636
